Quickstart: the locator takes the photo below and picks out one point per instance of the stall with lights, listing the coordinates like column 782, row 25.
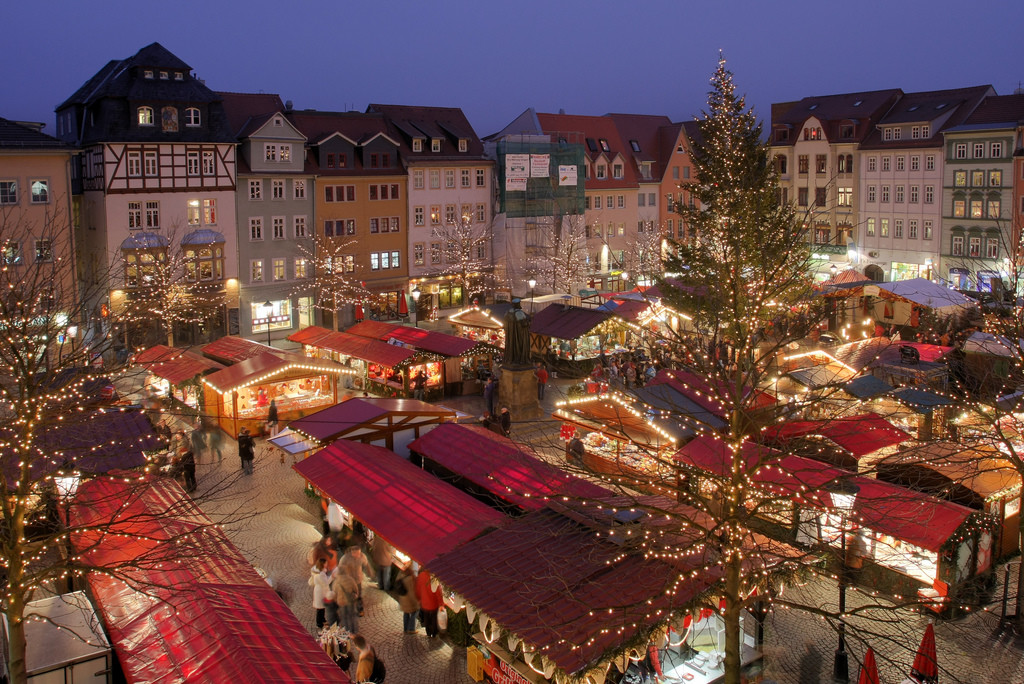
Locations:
column 371, row 359
column 240, row 394
column 175, row 373
column 481, row 324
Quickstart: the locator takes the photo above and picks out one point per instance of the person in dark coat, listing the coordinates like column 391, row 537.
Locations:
column 489, row 388
column 246, row 450
column 419, row 385
column 575, row 449
column 506, row 421
column 272, row 418
column 187, row 464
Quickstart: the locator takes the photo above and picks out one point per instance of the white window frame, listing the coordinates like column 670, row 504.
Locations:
column 39, row 197
column 209, row 163
column 256, row 267
column 299, row 227
column 299, row 188
column 279, row 267
column 255, row 228
column 277, row 189
column 133, row 164
column 277, row 228
column 255, row 190
column 192, row 117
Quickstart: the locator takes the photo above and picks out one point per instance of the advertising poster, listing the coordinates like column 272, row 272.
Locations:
column 540, row 165
column 517, row 166
column 567, row 174
column 515, row 184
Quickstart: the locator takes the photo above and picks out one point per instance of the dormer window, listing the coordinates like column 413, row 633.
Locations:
column 813, row 133
column 148, row 73
column 858, row 103
column 591, row 145
column 164, row 75
column 604, row 145
column 192, row 118
column 463, row 145
column 846, row 131
column 145, row 116
column 782, row 135
column 178, row 76
column 417, row 145
column 634, row 145
column 813, row 107
column 435, row 144
column 617, row 171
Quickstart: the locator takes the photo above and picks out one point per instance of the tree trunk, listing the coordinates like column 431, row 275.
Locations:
column 15, row 609
column 733, row 604
column 1019, row 603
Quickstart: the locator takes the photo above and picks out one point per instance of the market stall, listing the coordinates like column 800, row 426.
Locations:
column 510, row 476
column 174, row 373
column 571, row 336
column 372, row 360
column 481, row 324
column 853, row 443
column 198, row 617
column 240, row 394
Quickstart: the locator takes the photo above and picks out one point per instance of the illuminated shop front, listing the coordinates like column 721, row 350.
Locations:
column 479, row 325
column 174, row 373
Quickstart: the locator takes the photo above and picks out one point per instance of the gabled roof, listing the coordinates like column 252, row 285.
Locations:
column 593, row 129
column 831, row 110
column 567, row 322
column 998, row 109
column 942, row 109
column 240, row 108
column 447, row 123
column 645, row 131
column 860, row 435
column 14, row 135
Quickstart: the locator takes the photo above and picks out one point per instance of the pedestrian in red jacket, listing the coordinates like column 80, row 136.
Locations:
column 430, row 602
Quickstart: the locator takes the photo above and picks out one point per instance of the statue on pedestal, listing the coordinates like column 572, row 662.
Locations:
column 517, row 337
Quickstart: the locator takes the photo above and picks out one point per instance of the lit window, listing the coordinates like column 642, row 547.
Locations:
column 279, row 269
column 145, row 116
column 435, row 145
column 417, row 145
column 256, row 271
column 299, row 189
column 40, row 191
column 256, row 189
column 301, row 268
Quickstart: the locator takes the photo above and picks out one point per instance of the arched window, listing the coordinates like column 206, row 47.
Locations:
column 192, row 116
column 145, row 116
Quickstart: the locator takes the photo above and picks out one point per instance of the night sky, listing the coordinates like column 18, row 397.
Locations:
column 495, row 59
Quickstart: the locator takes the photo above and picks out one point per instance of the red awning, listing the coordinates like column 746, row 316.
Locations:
column 365, row 348
column 416, row 512
column 859, row 435
column 235, row 349
column 567, row 322
column 267, row 366
column 902, row 513
column 510, row 471
column 709, row 395
column 309, row 335
column 175, row 365
column 158, row 352
column 190, row 612
column 427, row 340
column 378, row 330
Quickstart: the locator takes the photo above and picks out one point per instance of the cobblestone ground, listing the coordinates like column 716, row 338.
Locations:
column 275, row 524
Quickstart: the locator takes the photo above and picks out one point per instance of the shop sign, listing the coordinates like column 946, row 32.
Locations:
column 272, row 319
column 497, row 671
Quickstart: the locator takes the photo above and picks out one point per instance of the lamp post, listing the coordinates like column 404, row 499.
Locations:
column 416, row 304
column 844, row 495
column 532, row 282
column 266, row 308
column 833, row 269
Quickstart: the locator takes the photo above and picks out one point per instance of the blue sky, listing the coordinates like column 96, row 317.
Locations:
column 495, row 59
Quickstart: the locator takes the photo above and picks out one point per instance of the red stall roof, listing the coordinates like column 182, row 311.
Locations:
column 707, row 394
column 267, row 366
column 369, row 416
column 880, row 506
column 566, row 322
column 378, row 330
column 427, row 340
column 367, row 349
column 860, row 435
column 197, row 615
column 511, row 471
column 416, row 512
column 234, row 349
column 175, row 365
column 309, row 335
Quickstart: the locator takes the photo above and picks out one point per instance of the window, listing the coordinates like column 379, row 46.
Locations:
column 901, row 163
column 417, row 179
column 977, row 178
column 686, row 172
column 897, row 228
column 449, row 214
column 277, row 189
column 608, row 202
column 899, row 194
column 871, row 227
column 256, row 190
column 915, row 132
column 340, row 193
column 926, row 131
column 134, row 164
column 279, row 273
column 822, row 235
column 192, row 163
column 192, row 212
column 270, row 152
column 929, row 162
column 435, row 252
column 329, row 228
column 929, row 194
column 299, row 226
column 801, row 195
column 348, row 263
column 417, row 145
column 915, row 163
column 256, row 228
column 617, row 171
column 44, row 251
column 417, row 254
column 301, row 268
column 872, row 193
column 846, row 130
column 872, row 163
column 465, row 178
column 374, row 225
column 40, row 191
column 780, row 166
column 597, row 201
column 845, row 197
column 620, row 201
column 435, row 144
column 845, row 163
column 145, row 116
column 449, row 178
column 915, row 194
column 887, row 133
column 960, row 152
column 209, row 167
column 976, row 210
column 993, row 208
column 959, row 208
column 395, row 260
column 957, row 246
column 802, row 163
column 586, row 202
column 481, row 213
column 960, row 179
column 995, row 150
column 979, row 152
column 375, row 261
column 8, row 192
column 821, row 163
column 191, row 116
column 134, row 215
column 299, row 189
column 995, row 178
column 928, row 230
column 153, row 214
column 350, row 226
column 974, row 247
column 256, row 271
column 912, row 229
column 820, row 197
column 417, row 216
column 601, row 174
column 992, row 248
column 641, row 199
column 463, row 145
column 435, row 179
column 885, row 193
column 11, row 253
column 481, row 179
column 277, row 227
column 883, row 227
column 435, row 215
column 466, row 212
column 886, row 163
column 150, row 166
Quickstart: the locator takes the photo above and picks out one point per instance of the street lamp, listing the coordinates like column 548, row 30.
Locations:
column 266, row 308
column 844, row 495
column 532, row 282
column 416, row 304
column 833, row 269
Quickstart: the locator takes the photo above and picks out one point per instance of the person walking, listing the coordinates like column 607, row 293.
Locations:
column 506, row 422
column 346, row 594
column 187, row 464
column 272, row 418
column 542, row 380
column 198, row 441
column 215, row 439
column 430, row 602
column 320, row 581
column 355, row 564
column 489, row 388
column 405, row 585
column 366, row 661
column 246, row 450
column 419, row 385
column 383, row 557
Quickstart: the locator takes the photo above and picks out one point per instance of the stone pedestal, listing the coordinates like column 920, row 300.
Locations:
column 518, row 391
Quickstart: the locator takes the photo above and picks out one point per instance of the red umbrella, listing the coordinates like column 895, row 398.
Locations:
column 869, row 670
column 359, row 311
column 403, row 304
column 926, row 667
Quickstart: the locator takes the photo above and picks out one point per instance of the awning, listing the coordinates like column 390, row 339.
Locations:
column 615, row 416
column 413, row 510
column 566, row 322
column 230, row 350
column 309, row 335
column 367, row 349
column 201, row 615
column 266, row 367
column 427, row 340
column 293, row 442
column 474, row 317
column 921, row 401
column 825, row 375
column 369, row 419
column 510, row 471
column 982, row 469
column 175, row 365
column 860, row 435
column 867, row 387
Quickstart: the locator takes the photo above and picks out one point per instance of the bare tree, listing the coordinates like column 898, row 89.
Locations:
column 468, row 251
column 643, row 257
column 561, row 264
column 332, row 280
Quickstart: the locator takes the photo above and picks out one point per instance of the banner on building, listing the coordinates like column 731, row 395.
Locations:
column 514, row 184
column 517, row 166
column 567, row 175
column 540, row 165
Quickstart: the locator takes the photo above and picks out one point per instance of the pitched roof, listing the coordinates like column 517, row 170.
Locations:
column 242, row 107
column 999, row 109
column 594, row 129
column 863, row 108
column 567, row 322
column 19, row 136
column 645, row 131
column 449, row 123
column 947, row 108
